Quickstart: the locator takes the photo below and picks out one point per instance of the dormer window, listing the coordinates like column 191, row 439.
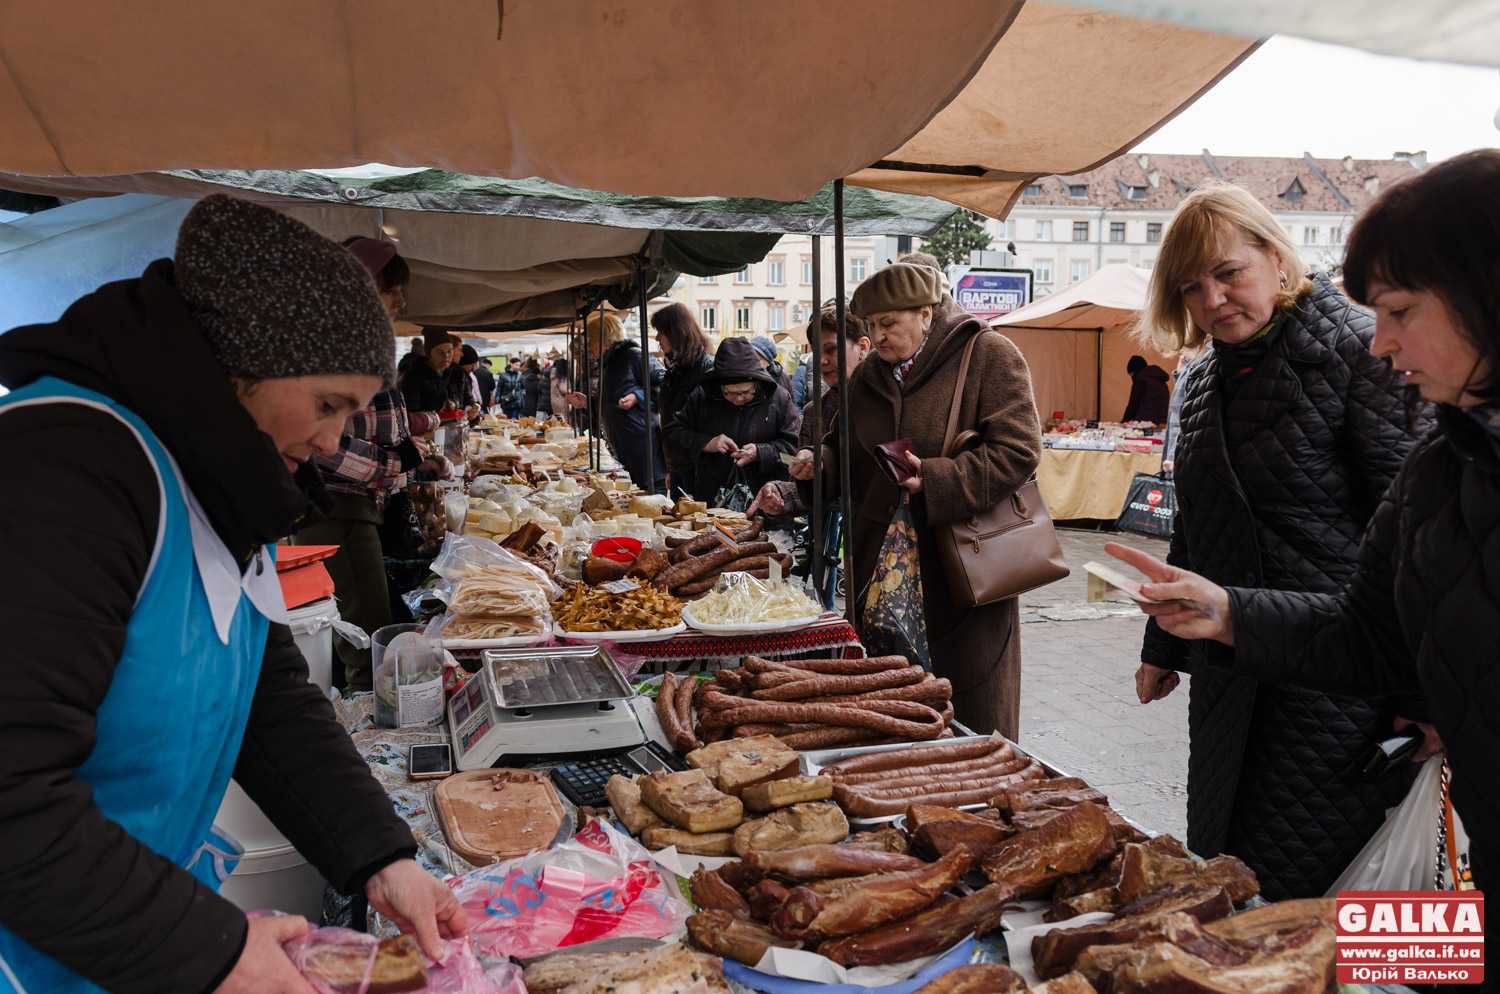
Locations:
column 1078, row 191
column 1294, row 192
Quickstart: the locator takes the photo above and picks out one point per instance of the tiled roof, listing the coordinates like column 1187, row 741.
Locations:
column 1326, row 185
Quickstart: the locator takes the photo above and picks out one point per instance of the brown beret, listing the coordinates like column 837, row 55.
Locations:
column 898, row 287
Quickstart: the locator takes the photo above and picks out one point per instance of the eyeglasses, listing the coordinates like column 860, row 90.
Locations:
column 732, row 393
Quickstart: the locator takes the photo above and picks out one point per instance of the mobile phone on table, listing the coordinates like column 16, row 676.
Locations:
column 429, row 762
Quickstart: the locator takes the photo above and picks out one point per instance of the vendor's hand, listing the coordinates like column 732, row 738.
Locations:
column 263, row 966
column 768, row 501
column 449, row 405
column 1152, row 683
column 418, row 902
column 577, row 400
column 436, row 467
column 626, row 402
column 1193, row 608
column 802, row 470
column 472, row 411
column 746, row 456
column 721, row 444
column 1431, row 745
column 913, row 483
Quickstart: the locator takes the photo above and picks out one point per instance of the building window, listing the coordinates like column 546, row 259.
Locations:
column 801, row 312
column 1310, row 235
column 1153, row 231
column 807, row 270
column 708, row 315
column 777, row 314
column 1080, row 231
column 741, row 317
column 1336, row 235
column 1137, row 193
column 1078, row 191
column 857, row 269
column 707, row 280
column 1008, row 229
column 1117, row 231
column 1078, row 270
column 1033, row 190
column 1041, row 269
column 742, row 277
column 776, row 271
column 1044, row 231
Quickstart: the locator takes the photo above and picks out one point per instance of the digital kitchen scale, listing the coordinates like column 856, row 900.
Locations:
column 542, row 702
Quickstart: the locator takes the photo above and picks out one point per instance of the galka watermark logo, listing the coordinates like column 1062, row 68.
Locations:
column 1410, row 937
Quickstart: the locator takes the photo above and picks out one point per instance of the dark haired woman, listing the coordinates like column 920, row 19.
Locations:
column 689, row 359
column 1422, row 610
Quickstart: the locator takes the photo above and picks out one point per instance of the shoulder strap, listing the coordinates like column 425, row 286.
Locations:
column 958, row 389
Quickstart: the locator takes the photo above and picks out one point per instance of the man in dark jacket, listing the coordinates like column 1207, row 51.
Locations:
column 129, row 699
column 486, row 377
column 740, row 418
column 1149, row 393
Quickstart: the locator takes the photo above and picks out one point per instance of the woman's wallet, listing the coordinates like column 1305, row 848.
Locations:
column 892, row 459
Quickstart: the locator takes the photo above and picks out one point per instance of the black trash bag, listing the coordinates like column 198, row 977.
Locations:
column 1150, row 507
column 735, row 493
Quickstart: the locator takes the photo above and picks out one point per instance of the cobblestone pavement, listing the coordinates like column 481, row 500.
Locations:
column 1078, row 705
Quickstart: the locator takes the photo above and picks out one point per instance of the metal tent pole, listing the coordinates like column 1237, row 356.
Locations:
column 650, row 487
column 588, row 385
column 815, row 333
column 847, row 530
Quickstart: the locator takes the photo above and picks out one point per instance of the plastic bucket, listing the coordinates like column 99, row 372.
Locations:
column 271, row 875
column 312, row 630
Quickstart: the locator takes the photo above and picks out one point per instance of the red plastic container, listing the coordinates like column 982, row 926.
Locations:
column 620, row 549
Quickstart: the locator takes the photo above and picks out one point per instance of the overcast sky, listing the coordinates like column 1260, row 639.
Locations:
column 1293, row 96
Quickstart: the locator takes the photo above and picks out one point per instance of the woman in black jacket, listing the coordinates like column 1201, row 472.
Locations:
column 1290, row 432
column 531, row 388
column 1421, row 613
column 740, row 418
column 423, row 381
column 686, row 349
column 130, row 699
column 622, row 401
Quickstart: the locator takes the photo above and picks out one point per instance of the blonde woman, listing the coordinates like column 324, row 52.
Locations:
column 622, row 400
column 1291, row 430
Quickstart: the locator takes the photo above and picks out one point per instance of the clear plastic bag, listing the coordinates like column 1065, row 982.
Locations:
column 1404, row 852
column 330, row 960
column 599, row 884
column 463, row 556
column 408, row 677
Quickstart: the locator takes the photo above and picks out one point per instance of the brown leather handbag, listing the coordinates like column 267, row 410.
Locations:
column 1006, row 550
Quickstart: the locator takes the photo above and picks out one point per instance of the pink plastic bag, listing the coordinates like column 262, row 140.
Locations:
column 599, row 884
column 459, row 973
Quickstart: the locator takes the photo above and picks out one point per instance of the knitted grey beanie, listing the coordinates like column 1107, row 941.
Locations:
column 276, row 299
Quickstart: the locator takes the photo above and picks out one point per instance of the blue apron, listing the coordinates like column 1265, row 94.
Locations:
column 169, row 729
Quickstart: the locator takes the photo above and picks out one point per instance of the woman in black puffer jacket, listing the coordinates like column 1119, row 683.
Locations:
column 1422, row 610
column 1291, row 430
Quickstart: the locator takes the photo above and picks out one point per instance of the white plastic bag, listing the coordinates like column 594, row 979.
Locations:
column 1402, row 854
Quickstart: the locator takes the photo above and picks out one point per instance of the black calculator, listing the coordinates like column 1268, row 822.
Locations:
column 582, row 781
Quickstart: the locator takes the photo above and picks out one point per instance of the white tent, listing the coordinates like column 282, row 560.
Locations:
column 1078, row 340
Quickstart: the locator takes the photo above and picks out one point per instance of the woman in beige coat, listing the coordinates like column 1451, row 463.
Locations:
column 904, row 391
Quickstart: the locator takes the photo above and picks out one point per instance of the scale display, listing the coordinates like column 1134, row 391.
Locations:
column 539, row 701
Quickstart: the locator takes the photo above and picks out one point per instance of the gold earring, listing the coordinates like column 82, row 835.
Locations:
column 1283, row 280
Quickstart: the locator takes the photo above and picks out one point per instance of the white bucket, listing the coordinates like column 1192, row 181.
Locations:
column 312, row 630
column 271, row 875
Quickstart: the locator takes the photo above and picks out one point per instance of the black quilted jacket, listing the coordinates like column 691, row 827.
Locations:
column 1422, row 612
column 1276, row 480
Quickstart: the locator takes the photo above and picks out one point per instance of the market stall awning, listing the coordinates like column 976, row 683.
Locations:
column 1063, row 91
column 625, row 95
column 676, row 97
column 1078, row 340
column 490, row 252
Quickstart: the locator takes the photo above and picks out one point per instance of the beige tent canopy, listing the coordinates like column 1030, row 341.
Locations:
column 634, row 96
column 1078, row 340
